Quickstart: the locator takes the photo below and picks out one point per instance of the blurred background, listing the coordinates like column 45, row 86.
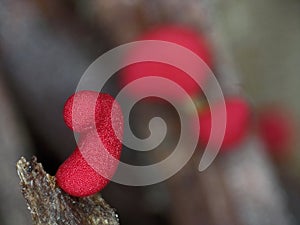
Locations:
column 45, row 47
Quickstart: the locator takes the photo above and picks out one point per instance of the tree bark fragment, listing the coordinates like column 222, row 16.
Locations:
column 48, row 204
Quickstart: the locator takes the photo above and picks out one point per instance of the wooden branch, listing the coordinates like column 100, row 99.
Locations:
column 49, row 205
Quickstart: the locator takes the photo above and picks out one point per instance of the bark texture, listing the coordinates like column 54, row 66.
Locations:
column 48, row 204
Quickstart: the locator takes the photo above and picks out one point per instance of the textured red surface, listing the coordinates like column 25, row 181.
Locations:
column 237, row 124
column 76, row 177
column 84, row 172
column 177, row 34
column 79, row 113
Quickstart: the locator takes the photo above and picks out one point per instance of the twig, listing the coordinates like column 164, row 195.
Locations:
column 49, row 205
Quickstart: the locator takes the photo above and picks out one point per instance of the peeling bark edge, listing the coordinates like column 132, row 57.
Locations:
column 49, row 205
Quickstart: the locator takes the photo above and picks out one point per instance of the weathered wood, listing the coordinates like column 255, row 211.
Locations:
column 48, row 204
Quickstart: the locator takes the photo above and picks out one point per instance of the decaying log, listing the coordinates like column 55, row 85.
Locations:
column 49, row 205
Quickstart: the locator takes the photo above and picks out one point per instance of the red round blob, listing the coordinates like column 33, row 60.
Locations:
column 79, row 112
column 77, row 178
column 178, row 34
column 237, row 123
column 276, row 127
column 84, row 109
column 86, row 171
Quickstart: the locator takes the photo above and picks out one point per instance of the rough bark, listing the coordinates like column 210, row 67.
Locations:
column 48, row 204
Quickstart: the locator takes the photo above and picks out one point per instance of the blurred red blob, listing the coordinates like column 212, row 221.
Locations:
column 237, row 123
column 178, row 34
column 277, row 129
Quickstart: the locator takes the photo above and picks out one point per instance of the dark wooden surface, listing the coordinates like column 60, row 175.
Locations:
column 48, row 204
